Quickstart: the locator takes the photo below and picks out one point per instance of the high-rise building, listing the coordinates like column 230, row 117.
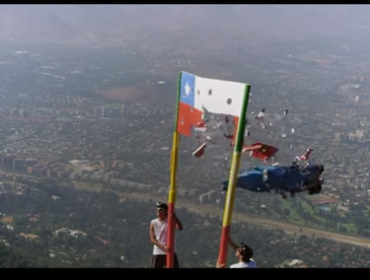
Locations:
column 98, row 111
column 337, row 136
column 19, row 165
column 116, row 112
column 106, row 112
column 14, row 112
column 8, row 161
column 30, row 162
column 2, row 156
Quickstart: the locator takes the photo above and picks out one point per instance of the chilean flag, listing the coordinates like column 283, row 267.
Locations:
column 198, row 95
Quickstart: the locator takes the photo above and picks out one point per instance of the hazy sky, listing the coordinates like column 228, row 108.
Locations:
column 155, row 23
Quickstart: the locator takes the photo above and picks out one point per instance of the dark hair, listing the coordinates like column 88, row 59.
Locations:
column 246, row 252
column 162, row 205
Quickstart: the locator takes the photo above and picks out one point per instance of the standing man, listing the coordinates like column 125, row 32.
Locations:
column 158, row 236
column 244, row 254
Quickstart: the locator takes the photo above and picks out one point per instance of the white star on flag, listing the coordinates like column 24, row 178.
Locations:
column 187, row 89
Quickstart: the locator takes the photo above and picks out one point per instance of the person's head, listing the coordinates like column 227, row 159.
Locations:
column 162, row 209
column 244, row 252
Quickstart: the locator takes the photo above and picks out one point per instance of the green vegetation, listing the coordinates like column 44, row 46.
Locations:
column 303, row 211
column 106, row 231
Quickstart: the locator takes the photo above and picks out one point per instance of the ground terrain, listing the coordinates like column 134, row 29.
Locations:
column 242, row 218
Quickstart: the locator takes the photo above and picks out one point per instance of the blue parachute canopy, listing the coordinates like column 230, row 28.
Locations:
column 281, row 179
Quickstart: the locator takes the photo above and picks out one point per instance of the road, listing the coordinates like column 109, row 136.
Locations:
column 243, row 218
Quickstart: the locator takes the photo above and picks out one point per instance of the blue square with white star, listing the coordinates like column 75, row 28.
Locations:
column 187, row 94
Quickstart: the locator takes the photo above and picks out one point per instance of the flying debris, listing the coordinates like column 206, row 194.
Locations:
column 201, row 126
column 217, row 126
column 200, row 150
column 225, row 125
column 205, row 114
column 161, row 82
column 305, row 157
column 261, row 151
column 228, row 136
column 282, row 179
column 261, row 115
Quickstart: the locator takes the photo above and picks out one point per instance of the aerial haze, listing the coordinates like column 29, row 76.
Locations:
column 87, row 111
column 183, row 26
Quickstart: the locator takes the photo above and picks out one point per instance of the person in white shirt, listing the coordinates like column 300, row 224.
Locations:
column 158, row 236
column 244, row 253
